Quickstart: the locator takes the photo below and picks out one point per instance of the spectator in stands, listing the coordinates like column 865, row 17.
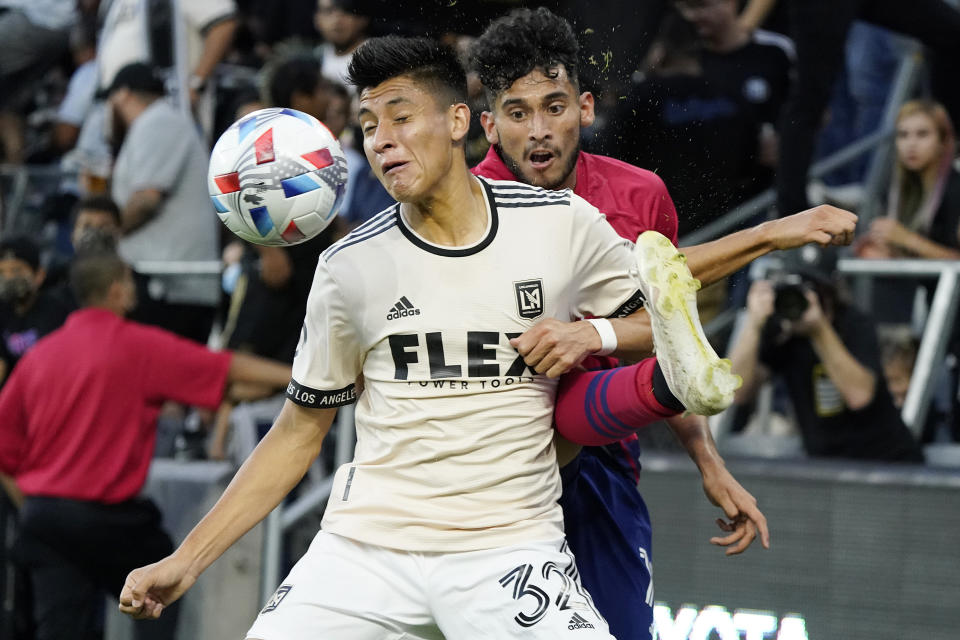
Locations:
column 674, row 107
column 209, row 26
column 34, row 35
column 266, row 23
column 819, row 28
column 826, row 351
column 923, row 205
column 898, row 351
column 344, row 25
column 922, row 218
column 96, row 224
column 713, row 95
column 159, row 183
column 81, row 90
column 611, row 50
column 27, row 313
column 139, row 31
column 859, row 99
column 296, row 81
column 82, row 460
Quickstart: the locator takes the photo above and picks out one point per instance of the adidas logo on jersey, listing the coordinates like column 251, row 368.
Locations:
column 579, row 622
column 402, row 309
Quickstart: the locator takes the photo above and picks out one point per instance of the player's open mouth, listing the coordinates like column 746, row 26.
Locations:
column 390, row 166
column 541, row 159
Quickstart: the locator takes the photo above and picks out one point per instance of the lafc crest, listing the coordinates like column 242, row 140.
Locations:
column 529, row 295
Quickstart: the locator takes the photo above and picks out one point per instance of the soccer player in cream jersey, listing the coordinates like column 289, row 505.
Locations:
column 446, row 524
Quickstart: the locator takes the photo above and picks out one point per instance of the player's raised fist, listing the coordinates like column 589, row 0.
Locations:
column 823, row 224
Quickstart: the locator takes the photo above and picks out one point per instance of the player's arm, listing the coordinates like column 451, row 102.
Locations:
column 140, row 209
column 856, row 382
column 254, row 370
column 890, row 233
column 155, row 163
column 216, row 43
column 277, row 464
column 744, row 518
column 825, row 225
column 634, row 336
column 554, row 347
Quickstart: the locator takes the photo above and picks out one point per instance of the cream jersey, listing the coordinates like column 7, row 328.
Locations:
column 454, row 432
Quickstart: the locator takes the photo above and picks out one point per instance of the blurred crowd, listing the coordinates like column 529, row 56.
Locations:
column 121, row 100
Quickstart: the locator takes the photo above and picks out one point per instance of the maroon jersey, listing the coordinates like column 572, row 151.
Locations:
column 633, row 199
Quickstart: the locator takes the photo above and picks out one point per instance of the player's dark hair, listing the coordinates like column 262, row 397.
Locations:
column 520, row 42
column 92, row 273
column 97, row 203
column 424, row 60
column 296, row 75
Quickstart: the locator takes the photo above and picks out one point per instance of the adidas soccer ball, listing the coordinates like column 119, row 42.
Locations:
column 277, row 177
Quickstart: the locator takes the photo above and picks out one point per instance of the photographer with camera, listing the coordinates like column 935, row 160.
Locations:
column 800, row 327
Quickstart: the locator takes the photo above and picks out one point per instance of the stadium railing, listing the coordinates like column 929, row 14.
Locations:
column 178, row 267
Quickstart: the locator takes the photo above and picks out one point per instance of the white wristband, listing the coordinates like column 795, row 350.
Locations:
column 608, row 337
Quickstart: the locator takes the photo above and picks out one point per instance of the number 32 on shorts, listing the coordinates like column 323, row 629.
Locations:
column 518, row 579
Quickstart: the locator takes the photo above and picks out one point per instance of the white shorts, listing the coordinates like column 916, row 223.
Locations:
column 347, row 590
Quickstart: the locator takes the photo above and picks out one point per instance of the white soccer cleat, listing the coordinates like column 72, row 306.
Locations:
column 696, row 375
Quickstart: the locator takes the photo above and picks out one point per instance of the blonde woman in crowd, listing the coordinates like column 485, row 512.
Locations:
column 923, row 206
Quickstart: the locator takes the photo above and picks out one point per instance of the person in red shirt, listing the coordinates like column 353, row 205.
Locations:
column 527, row 63
column 78, row 417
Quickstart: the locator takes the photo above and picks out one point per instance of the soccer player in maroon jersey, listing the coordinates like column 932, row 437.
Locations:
column 527, row 62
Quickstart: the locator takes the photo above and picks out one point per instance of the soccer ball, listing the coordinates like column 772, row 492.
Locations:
column 277, row 177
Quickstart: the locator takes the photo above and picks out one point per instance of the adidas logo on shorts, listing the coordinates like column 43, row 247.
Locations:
column 402, row 309
column 578, row 622
column 277, row 598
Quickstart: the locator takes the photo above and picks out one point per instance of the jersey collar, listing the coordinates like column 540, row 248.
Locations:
column 455, row 252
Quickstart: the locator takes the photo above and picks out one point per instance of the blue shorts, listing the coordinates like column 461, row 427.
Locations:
column 608, row 530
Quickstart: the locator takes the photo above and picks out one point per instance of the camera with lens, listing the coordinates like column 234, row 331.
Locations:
column 790, row 296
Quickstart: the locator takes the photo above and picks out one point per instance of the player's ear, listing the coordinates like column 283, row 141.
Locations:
column 460, row 121
column 587, row 114
column 489, row 127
